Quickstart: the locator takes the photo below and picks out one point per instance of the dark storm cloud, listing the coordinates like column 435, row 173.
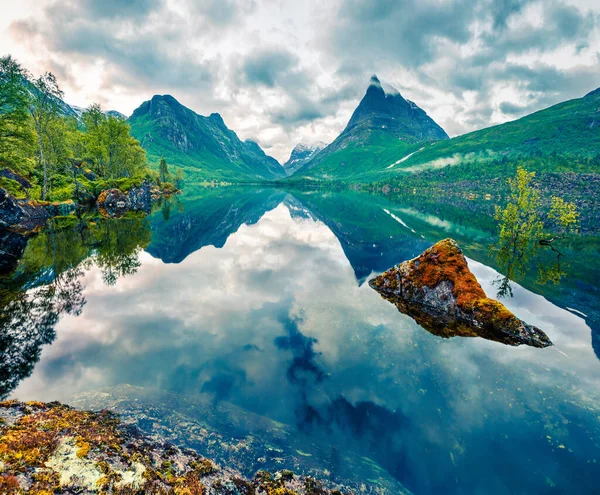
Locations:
column 502, row 10
column 560, row 24
column 508, row 108
column 296, row 114
column 417, row 33
column 408, row 32
column 269, row 67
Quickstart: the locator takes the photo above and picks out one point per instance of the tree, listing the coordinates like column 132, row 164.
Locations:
column 163, row 170
column 16, row 132
column 520, row 221
column 522, row 231
column 110, row 147
column 44, row 109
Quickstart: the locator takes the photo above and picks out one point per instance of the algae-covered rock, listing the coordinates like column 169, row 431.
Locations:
column 440, row 293
column 55, row 449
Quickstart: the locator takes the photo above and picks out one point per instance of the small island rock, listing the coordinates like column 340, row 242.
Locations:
column 440, row 293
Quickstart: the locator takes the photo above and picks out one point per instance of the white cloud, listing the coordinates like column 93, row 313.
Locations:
column 458, row 63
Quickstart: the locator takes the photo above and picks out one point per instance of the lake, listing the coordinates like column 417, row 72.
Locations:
column 239, row 321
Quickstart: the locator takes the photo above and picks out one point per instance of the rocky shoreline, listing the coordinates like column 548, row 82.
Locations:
column 50, row 448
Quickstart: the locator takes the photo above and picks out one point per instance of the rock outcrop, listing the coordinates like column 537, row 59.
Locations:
column 20, row 216
column 115, row 203
column 53, row 448
column 440, row 293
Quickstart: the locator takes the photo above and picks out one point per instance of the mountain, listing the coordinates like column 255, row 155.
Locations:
column 208, row 219
column 302, row 154
column 383, row 126
column 570, row 129
column 204, row 147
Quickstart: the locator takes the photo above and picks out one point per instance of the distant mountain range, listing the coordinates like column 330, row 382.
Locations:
column 387, row 137
column 204, row 147
column 302, row 154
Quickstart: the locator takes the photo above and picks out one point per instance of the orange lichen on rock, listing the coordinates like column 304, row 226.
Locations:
column 439, row 291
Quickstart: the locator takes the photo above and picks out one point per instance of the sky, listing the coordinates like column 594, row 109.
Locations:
column 282, row 72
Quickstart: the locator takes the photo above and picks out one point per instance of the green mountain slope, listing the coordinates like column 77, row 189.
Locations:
column 383, row 127
column 570, row 129
column 204, row 147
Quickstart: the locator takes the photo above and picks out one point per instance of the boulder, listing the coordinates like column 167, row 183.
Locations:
column 112, row 203
column 20, row 216
column 115, row 203
column 440, row 293
column 140, row 198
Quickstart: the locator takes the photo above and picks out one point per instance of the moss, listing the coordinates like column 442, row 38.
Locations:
column 12, row 187
column 124, row 462
column 474, row 314
column 287, row 475
column 83, row 447
column 204, row 467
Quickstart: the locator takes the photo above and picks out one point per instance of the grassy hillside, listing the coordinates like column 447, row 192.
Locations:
column 354, row 163
column 570, row 129
column 562, row 138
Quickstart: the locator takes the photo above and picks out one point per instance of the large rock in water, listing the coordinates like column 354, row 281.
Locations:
column 439, row 291
column 114, row 203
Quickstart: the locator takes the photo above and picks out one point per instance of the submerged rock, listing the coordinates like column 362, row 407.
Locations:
column 53, row 448
column 440, row 293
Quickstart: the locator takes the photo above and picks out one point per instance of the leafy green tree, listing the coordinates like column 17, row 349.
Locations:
column 110, row 147
column 163, row 170
column 522, row 231
column 94, row 139
column 520, row 222
column 565, row 217
column 44, row 110
column 16, row 132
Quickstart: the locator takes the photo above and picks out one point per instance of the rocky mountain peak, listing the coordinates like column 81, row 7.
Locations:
column 301, row 154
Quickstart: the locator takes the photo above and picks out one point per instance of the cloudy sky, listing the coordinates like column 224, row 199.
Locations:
column 284, row 71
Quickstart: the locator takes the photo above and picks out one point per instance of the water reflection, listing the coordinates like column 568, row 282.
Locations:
column 46, row 284
column 254, row 301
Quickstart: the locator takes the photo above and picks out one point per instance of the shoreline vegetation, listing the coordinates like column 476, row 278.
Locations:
column 53, row 160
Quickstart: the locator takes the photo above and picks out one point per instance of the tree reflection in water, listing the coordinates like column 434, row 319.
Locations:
column 46, row 284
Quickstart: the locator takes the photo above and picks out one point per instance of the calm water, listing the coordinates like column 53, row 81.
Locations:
column 247, row 310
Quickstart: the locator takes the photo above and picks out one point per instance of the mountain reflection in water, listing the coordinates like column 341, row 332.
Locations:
column 255, row 299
